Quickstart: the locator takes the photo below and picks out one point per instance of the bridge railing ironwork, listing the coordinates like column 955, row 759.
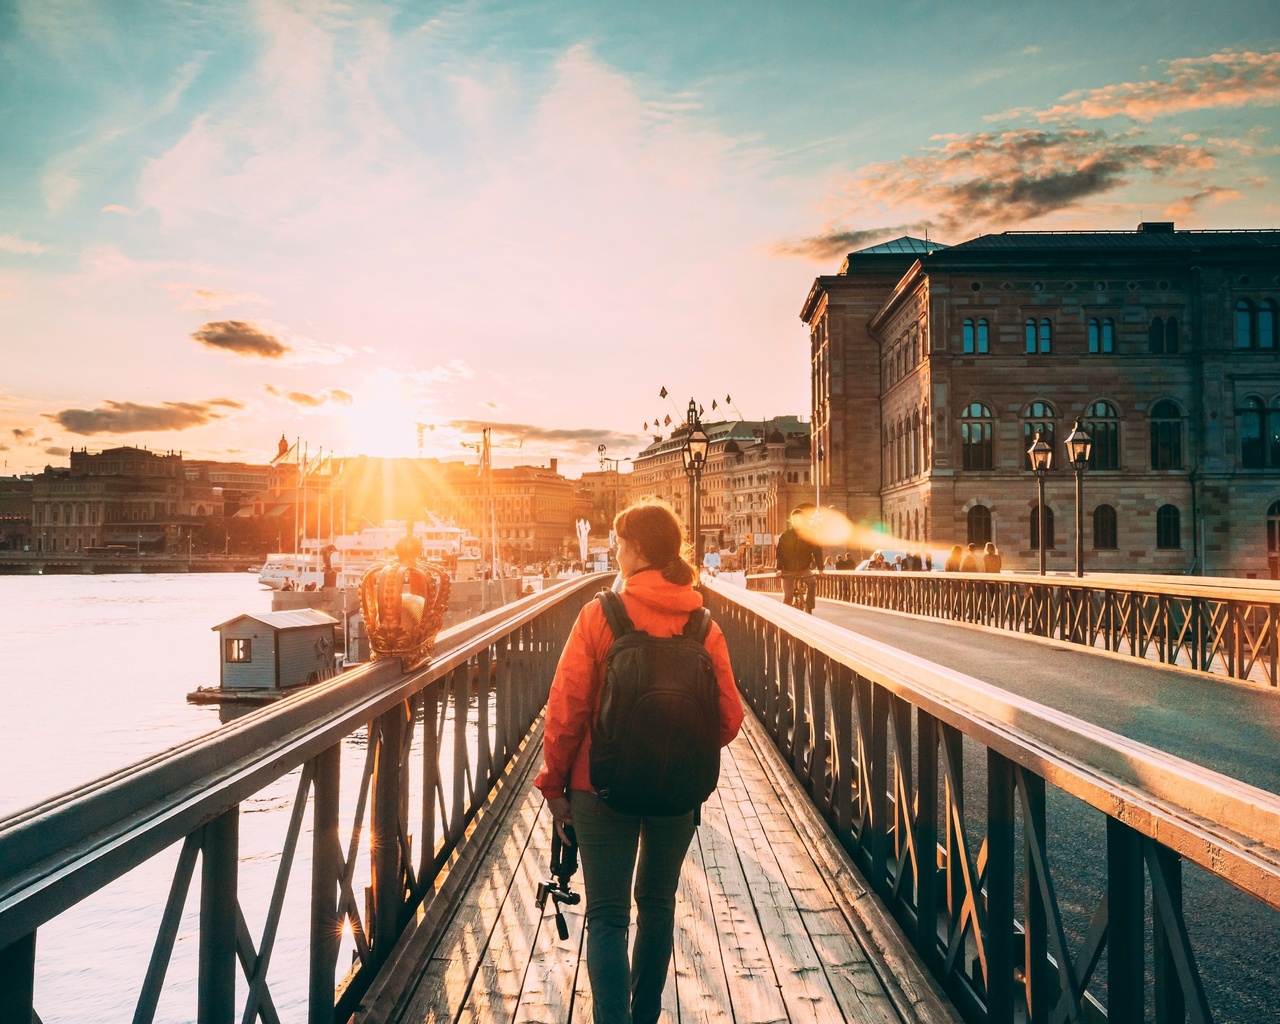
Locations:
column 470, row 709
column 1225, row 627
column 879, row 739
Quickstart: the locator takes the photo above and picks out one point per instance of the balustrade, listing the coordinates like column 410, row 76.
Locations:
column 1226, row 627
column 878, row 738
column 469, row 711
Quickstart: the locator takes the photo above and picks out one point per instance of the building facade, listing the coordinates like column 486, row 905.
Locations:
column 756, row 472
column 1162, row 343
column 532, row 509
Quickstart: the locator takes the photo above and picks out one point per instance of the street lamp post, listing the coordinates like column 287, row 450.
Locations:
column 1079, row 445
column 1041, row 458
column 694, row 454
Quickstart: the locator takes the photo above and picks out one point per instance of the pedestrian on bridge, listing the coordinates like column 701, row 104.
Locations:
column 659, row 599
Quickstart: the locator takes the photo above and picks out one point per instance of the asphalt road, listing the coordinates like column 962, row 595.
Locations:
column 1228, row 727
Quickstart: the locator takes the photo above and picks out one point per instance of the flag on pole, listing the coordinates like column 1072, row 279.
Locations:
column 666, row 421
column 728, row 400
column 646, row 425
column 713, row 405
column 701, row 410
column 662, row 393
column 285, row 451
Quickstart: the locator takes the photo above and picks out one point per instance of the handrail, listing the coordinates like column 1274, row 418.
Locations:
column 870, row 731
column 62, row 849
column 1210, row 624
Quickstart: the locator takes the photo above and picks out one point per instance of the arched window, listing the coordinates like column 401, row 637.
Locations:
column 979, row 525
column 1046, row 336
column 1103, row 424
column 1171, row 335
column 1037, row 417
column 1273, row 529
column 984, row 337
column 924, row 438
column 1271, row 434
column 970, row 338
column 1048, row 528
column 916, row 461
column 1166, row 435
column 975, row 437
column 1029, row 335
column 1168, row 527
column 1102, row 335
column 1267, row 324
column 1250, row 421
column 1155, row 336
column 1104, row 528
column 1244, row 324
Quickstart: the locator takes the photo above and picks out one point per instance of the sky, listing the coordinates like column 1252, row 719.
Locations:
column 380, row 227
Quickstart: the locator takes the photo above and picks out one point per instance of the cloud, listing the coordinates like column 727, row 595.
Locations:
column 836, row 242
column 60, row 452
column 130, row 418
column 20, row 246
column 1225, row 79
column 24, row 433
column 241, row 338
column 996, row 178
column 573, row 436
column 201, row 299
column 1187, row 207
column 309, row 401
column 117, row 208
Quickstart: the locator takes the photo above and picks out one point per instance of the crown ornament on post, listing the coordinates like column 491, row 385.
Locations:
column 404, row 600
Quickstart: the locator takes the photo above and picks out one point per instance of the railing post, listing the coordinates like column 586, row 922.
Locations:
column 1036, row 971
column 926, row 839
column 1170, row 1005
column 1126, row 898
column 845, row 748
column 326, row 865
column 879, row 775
column 18, row 980
column 384, row 838
column 219, row 868
column 1000, row 930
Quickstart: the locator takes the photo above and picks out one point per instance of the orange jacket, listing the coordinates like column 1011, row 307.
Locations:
column 660, row 609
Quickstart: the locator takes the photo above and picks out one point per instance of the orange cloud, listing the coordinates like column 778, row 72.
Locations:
column 1222, row 80
column 996, row 178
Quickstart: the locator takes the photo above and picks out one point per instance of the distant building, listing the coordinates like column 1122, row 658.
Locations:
column 532, row 509
column 15, row 512
column 933, row 367
column 756, row 472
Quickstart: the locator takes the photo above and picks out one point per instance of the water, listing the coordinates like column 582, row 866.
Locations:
column 97, row 669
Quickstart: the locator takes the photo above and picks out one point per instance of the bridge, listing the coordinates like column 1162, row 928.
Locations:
column 894, row 839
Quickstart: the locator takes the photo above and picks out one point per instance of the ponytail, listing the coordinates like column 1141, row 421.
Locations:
column 654, row 531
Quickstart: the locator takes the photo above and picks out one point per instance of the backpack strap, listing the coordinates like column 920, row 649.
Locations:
column 615, row 613
column 699, row 625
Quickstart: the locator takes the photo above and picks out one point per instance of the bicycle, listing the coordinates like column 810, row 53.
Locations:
column 800, row 590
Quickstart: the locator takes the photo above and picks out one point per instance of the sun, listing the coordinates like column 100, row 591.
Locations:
column 384, row 416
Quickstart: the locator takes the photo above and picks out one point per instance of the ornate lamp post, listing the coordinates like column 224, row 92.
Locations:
column 1079, row 445
column 694, row 454
column 1041, row 457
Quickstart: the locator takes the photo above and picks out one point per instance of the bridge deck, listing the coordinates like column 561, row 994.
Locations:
column 771, row 923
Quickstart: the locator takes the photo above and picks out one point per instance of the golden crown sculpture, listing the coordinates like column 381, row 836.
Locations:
column 404, row 600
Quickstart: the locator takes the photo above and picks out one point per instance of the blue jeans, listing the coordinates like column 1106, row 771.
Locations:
column 608, row 843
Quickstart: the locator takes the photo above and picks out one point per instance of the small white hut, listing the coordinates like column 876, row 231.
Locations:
column 276, row 651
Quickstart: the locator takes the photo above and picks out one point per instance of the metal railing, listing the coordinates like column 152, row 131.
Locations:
column 1225, row 627
column 474, row 704
column 878, row 739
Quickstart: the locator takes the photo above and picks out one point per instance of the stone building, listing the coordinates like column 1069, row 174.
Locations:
column 533, row 509
column 756, row 472
column 15, row 512
column 933, row 367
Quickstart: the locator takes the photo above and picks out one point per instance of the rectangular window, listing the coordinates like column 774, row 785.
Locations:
column 1046, row 336
column 968, row 338
column 984, row 333
column 238, row 650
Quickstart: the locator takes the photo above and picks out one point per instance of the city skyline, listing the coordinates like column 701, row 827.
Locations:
column 223, row 223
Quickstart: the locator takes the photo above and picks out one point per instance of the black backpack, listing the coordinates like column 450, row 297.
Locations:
column 655, row 746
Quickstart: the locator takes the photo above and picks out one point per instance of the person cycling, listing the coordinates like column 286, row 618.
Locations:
column 797, row 558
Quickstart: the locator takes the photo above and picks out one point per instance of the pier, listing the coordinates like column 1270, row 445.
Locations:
column 893, row 838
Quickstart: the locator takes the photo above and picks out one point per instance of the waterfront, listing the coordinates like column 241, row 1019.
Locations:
column 97, row 672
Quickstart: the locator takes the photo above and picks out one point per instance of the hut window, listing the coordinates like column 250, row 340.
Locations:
column 239, row 650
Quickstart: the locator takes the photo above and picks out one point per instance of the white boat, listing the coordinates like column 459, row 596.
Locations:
column 442, row 543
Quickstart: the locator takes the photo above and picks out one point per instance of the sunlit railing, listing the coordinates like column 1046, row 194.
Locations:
column 471, row 709
column 880, row 740
column 1222, row 626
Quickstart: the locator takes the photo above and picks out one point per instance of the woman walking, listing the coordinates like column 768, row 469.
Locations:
column 658, row 596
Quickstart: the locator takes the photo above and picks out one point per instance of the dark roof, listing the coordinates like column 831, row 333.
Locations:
column 1023, row 241
column 906, row 245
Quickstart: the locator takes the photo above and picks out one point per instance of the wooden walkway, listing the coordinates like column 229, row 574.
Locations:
column 772, row 923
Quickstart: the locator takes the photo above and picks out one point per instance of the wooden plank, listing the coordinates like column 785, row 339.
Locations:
column 913, row 992
column 495, row 990
column 447, row 978
column 752, row 983
column 548, row 990
column 701, row 985
column 803, row 984
column 583, row 1005
column 854, row 982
